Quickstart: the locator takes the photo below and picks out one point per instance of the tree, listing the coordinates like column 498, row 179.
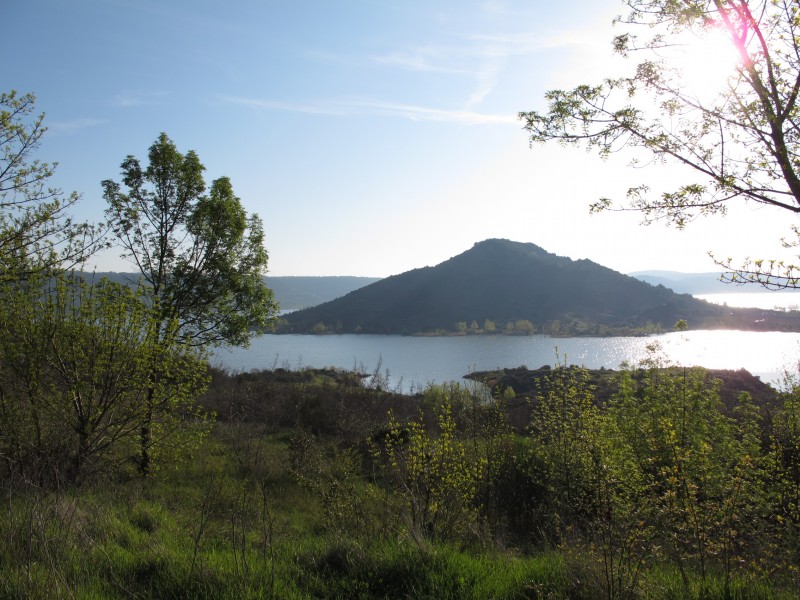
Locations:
column 523, row 326
column 565, row 425
column 783, row 468
column 75, row 366
column 741, row 142
column 200, row 256
column 695, row 474
column 432, row 479
column 36, row 232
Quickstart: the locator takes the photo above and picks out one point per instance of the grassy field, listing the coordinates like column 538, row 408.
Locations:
column 219, row 527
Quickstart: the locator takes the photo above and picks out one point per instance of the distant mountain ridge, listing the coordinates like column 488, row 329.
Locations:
column 503, row 281
column 693, row 283
column 302, row 292
column 290, row 292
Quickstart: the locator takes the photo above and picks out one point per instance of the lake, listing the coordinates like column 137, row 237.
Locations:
column 412, row 362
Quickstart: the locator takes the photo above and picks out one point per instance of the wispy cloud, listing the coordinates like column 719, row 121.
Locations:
column 480, row 57
column 429, row 60
column 354, row 107
column 518, row 44
column 422, row 113
column 300, row 107
column 129, row 99
column 73, row 125
column 461, row 57
column 485, row 82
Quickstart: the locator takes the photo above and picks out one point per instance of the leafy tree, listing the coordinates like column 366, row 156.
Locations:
column 75, row 365
column 692, row 473
column 783, row 467
column 523, row 326
column 200, row 256
column 432, row 478
column 741, row 143
column 36, row 232
column 73, row 355
column 587, row 493
column 565, row 426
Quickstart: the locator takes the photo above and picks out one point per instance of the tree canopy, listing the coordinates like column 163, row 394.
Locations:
column 199, row 253
column 36, row 231
column 740, row 141
column 88, row 369
column 200, row 256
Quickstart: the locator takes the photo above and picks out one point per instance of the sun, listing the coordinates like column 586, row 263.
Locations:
column 704, row 63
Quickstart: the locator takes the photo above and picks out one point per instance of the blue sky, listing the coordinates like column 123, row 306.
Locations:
column 372, row 137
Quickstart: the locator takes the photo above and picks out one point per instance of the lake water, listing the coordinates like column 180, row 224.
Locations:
column 413, row 362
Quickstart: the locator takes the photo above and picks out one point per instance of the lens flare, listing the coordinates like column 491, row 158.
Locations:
column 705, row 62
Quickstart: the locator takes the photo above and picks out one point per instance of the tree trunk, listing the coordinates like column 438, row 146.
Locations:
column 145, row 435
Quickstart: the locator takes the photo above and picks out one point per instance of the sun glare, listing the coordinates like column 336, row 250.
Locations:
column 705, row 62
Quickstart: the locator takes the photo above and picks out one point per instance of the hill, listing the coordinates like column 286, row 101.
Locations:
column 509, row 282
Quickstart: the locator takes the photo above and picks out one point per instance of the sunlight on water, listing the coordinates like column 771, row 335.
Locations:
column 767, row 354
column 412, row 362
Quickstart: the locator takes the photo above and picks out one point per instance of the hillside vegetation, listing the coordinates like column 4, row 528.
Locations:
column 501, row 286
column 323, row 484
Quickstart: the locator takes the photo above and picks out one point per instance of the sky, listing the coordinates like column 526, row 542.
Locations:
column 371, row 136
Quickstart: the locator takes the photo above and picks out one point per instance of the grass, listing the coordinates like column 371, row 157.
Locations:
column 206, row 531
column 391, row 570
